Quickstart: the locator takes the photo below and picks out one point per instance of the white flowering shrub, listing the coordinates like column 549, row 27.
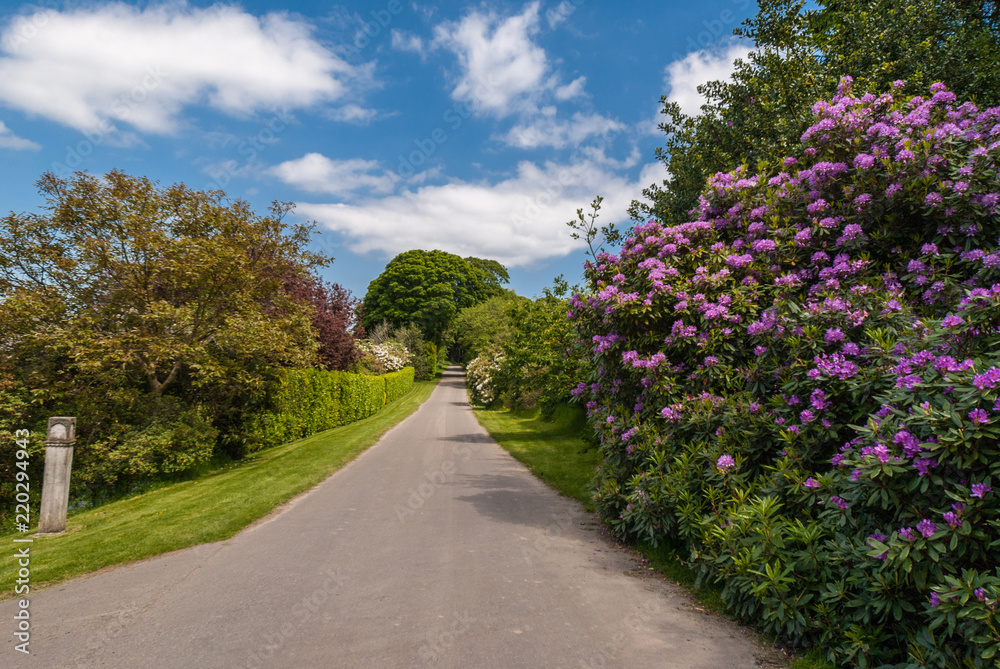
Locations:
column 480, row 377
column 389, row 356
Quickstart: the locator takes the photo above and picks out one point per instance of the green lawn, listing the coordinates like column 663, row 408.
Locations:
column 210, row 508
column 552, row 450
column 555, row 453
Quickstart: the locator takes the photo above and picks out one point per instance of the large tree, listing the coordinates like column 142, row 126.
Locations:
column 333, row 317
column 118, row 273
column 428, row 288
column 800, row 55
column 155, row 314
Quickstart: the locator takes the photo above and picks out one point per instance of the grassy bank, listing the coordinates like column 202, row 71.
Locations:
column 212, row 507
column 552, row 450
column 555, row 453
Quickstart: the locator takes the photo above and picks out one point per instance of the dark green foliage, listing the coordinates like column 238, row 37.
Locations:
column 154, row 315
column 428, row 288
column 424, row 366
column 484, row 326
column 539, row 362
column 800, row 55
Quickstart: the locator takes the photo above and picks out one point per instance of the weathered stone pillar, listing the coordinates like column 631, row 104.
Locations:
column 59, row 440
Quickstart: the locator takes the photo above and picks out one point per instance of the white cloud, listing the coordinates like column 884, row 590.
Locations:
column 572, row 89
column 683, row 77
column 8, row 140
column 559, row 14
column 502, row 69
column 93, row 66
column 318, row 174
column 407, row 42
column 517, row 221
column 547, row 130
column 352, row 113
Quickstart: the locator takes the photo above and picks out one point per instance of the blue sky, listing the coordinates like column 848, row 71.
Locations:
column 472, row 128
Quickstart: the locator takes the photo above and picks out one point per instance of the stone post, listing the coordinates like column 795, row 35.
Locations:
column 59, row 440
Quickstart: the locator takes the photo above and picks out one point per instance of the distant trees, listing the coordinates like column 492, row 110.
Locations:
column 428, row 288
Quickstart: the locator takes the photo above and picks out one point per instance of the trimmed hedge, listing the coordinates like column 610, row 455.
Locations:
column 307, row 401
column 397, row 383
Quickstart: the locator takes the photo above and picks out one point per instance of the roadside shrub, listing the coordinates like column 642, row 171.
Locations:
column 398, row 383
column 799, row 386
column 379, row 358
column 166, row 436
column 413, row 340
column 431, row 356
column 14, row 416
column 541, row 361
column 306, row 401
column 480, row 376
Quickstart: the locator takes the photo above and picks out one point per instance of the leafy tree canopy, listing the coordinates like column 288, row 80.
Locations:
column 120, row 277
column 485, row 325
column 428, row 288
column 800, row 56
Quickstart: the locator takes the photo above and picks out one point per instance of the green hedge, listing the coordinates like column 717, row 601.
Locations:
column 397, row 383
column 307, row 401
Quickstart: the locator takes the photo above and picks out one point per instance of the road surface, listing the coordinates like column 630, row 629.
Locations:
column 434, row 548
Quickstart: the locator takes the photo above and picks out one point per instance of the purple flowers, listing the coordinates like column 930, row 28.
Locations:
column 763, row 246
column 885, row 233
column 833, row 335
column 978, row 417
column 863, row 161
column 835, row 366
column 987, row 379
column 839, row 503
column 670, row 414
column 980, row 490
column 737, row 261
column 851, row 232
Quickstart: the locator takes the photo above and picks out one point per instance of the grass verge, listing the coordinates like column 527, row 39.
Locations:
column 552, row 450
column 212, row 507
column 555, row 453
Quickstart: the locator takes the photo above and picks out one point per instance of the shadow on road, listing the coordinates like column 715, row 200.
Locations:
column 506, row 497
column 471, row 438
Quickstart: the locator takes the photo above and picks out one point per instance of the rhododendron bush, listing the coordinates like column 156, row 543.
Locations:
column 801, row 387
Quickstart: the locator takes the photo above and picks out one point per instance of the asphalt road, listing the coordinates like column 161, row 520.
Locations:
column 434, row 548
